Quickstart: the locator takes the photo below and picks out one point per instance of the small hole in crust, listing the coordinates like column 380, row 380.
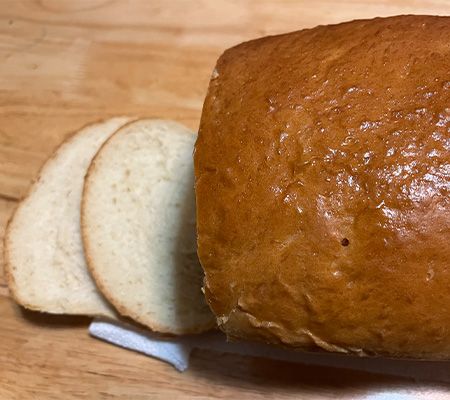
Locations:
column 345, row 242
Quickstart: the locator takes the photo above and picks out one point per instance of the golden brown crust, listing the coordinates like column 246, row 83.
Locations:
column 322, row 182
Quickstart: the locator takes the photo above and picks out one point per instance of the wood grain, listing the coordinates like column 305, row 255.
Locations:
column 66, row 63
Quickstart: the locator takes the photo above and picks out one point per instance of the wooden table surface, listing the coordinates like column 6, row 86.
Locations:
column 66, row 63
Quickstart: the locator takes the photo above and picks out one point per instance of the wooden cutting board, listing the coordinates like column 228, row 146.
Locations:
column 66, row 63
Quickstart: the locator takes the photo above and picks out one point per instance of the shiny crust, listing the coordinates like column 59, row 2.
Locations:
column 322, row 182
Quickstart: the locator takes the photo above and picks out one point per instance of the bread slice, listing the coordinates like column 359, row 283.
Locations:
column 138, row 227
column 45, row 264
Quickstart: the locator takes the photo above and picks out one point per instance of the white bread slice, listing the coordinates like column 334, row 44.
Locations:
column 45, row 264
column 138, row 227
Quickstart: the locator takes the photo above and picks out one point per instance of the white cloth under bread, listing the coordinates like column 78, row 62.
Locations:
column 176, row 351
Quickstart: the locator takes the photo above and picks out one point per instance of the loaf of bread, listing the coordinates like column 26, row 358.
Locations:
column 322, row 181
